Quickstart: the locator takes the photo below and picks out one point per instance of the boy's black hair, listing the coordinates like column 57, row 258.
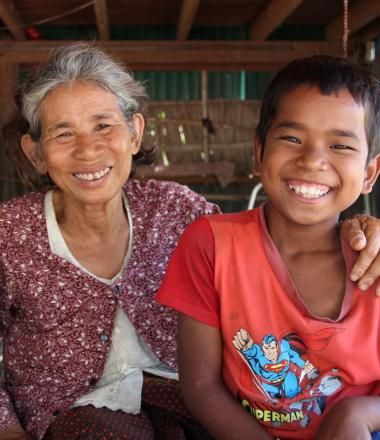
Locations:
column 329, row 74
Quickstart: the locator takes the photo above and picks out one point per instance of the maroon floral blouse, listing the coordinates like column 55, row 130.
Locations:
column 57, row 320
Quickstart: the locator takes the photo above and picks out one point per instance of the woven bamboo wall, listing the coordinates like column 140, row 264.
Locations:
column 176, row 128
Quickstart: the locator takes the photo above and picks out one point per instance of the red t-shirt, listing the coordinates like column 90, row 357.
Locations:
column 227, row 273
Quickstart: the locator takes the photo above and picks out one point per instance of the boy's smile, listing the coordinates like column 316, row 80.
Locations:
column 313, row 164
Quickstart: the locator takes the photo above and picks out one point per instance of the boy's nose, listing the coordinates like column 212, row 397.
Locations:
column 312, row 158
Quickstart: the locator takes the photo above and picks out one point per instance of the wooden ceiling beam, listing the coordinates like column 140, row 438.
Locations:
column 101, row 15
column 12, row 19
column 359, row 15
column 188, row 12
column 275, row 12
column 369, row 33
column 187, row 55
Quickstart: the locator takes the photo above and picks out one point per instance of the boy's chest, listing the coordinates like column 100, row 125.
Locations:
column 320, row 282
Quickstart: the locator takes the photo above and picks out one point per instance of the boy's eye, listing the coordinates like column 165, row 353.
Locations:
column 341, row 147
column 292, row 139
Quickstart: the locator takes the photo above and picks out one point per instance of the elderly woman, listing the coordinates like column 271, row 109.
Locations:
column 88, row 353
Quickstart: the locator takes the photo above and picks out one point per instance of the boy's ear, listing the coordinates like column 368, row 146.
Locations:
column 30, row 149
column 258, row 151
column 372, row 172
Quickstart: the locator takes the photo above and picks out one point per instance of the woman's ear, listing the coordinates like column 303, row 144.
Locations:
column 258, row 151
column 138, row 124
column 372, row 173
column 30, row 149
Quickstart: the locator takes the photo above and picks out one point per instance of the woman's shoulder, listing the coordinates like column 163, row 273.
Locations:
column 167, row 194
column 152, row 188
column 22, row 210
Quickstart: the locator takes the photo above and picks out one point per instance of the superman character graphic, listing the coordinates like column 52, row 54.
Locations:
column 280, row 370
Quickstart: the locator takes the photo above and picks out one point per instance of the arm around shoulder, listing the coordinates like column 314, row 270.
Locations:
column 205, row 394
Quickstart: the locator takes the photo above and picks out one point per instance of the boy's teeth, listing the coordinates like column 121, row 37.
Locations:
column 92, row 176
column 309, row 191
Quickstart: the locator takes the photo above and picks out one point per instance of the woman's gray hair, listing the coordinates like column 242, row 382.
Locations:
column 81, row 62
column 74, row 62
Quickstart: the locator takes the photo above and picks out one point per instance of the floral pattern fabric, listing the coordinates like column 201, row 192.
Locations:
column 57, row 320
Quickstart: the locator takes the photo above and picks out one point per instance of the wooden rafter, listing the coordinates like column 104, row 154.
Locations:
column 187, row 55
column 101, row 14
column 12, row 19
column 189, row 10
column 370, row 33
column 273, row 14
column 360, row 14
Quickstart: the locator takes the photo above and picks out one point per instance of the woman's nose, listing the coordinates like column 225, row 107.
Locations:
column 87, row 145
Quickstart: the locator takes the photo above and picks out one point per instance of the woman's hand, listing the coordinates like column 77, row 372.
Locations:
column 14, row 432
column 363, row 234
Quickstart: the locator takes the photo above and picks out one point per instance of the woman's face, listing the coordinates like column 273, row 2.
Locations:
column 86, row 144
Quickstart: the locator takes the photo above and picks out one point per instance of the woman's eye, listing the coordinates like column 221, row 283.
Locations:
column 103, row 127
column 64, row 134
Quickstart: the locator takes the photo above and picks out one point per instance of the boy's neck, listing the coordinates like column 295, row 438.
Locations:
column 292, row 238
column 313, row 257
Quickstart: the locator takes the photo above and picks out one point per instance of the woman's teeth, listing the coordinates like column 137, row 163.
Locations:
column 92, row 176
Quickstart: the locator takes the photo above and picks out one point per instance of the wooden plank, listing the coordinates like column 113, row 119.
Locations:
column 12, row 19
column 187, row 55
column 101, row 15
column 275, row 12
column 369, row 33
column 188, row 12
column 359, row 14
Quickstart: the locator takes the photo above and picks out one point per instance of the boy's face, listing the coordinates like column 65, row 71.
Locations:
column 313, row 165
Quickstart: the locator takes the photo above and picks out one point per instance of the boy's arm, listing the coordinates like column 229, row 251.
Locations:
column 14, row 432
column 352, row 418
column 204, row 392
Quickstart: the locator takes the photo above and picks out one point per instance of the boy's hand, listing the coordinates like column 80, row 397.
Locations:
column 347, row 420
column 363, row 234
column 14, row 433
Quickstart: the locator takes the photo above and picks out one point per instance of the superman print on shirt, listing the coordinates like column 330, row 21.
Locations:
column 291, row 387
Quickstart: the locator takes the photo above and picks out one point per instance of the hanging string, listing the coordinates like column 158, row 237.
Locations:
column 345, row 28
column 49, row 19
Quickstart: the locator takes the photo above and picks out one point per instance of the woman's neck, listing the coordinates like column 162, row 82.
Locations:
column 88, row 219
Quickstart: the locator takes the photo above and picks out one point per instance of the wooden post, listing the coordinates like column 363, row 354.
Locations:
column 9, row 186
column 8, row 78
column 204, row 97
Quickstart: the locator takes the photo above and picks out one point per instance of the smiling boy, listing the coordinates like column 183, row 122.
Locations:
column 274, row 338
